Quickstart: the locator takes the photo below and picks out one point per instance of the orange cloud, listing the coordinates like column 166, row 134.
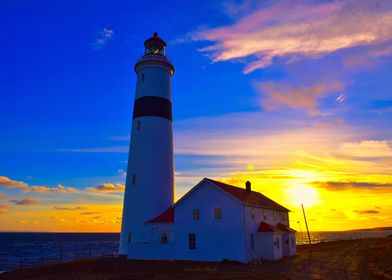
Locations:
column 277, row 95
column 58, row 189
column 368, row 148
column 67, row 208
column 367, row 211
column 3, row 208
column 108, row 188
column 11, row 184
column 24, row 201
column 290, row 29
column 341, row 186
column 90, row 213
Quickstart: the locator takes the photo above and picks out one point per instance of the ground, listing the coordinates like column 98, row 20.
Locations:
column 352, row 259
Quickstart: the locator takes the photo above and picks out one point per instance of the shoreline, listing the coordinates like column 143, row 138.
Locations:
column 346, row 259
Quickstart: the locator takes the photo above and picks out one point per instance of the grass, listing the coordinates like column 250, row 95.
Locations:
column 351, row 259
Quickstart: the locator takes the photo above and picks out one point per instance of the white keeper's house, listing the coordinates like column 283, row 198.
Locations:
column 214, row 221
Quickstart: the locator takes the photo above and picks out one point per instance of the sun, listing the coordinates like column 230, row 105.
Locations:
column 301, row 193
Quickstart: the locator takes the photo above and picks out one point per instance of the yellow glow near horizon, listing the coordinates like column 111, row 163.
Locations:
column 302, row 193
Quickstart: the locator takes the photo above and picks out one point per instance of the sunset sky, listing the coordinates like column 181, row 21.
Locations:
column 294, row 96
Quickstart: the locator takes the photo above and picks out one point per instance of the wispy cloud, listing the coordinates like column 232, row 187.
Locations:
column 67, row 208
column 108, row 188
column 279, row 95
column 90, row 213
column 367, row 148
column 342, row 186
column 11, row 184
column 105, row 35
column 3, row 208
column 24, row 201
column 117, row 149
column 58, row 189
column 366, row 211
column 292, row 30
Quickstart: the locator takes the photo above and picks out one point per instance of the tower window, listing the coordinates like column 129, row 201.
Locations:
column 142, row 77
column 252, row 241
column 192, row 241
column 129, row 237
column 196, row 214
column 164, row 237
column 218, row 213
column 133, row 179
column 138, row 126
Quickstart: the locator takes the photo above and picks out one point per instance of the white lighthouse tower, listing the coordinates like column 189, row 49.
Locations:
column 150, row 175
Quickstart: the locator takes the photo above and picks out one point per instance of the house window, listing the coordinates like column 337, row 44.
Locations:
column 142, row 77
column 252, row 241
column 133, row 179
column 277, row 243
column 287, row 241
column 192, row 241
column 218, row 213
column 138, row 126
column 196, row 214
column 164, row 237
column 129, row 237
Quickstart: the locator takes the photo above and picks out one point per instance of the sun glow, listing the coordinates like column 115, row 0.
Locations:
column 302, row 193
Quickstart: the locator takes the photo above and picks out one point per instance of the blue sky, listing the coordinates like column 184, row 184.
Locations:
column 253, row 91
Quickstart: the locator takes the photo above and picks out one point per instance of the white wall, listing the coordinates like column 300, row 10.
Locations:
column 289, row 244
column 253, row 217
column 157, row 82
column 150, row 156
column 215, row 239
column 267, row 246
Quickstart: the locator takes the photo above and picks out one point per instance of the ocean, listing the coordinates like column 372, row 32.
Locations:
column 28, row 249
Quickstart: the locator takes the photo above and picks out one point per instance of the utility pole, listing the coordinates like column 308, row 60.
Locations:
column 306, row 223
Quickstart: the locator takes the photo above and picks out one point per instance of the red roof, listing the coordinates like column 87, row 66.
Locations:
column 285, row 228
column 166, row 217
column 266, row 227
column 250, row 197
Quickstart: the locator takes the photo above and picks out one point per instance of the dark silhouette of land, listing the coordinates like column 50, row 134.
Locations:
column 350, row 259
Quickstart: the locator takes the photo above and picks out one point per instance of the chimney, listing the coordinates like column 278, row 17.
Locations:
column 248, row 186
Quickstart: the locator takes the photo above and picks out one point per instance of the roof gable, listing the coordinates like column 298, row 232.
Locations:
column 285, row 228
column 250, row 198
column 165, row 217
column 266, row 227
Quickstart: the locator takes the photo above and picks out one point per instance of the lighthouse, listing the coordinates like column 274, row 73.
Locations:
column 150, row 174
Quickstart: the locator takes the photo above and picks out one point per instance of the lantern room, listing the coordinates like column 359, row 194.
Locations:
column 155, row 45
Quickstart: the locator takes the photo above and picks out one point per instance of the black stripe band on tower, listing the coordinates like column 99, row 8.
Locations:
column 152, row 106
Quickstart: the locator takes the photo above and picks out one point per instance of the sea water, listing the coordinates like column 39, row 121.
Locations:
column 28, row 249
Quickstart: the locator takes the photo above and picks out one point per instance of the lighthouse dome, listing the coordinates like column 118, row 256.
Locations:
column 155, row 45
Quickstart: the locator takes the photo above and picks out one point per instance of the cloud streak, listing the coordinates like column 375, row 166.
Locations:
column 341, row 186
column 24, row 201
column 366, row 212
column 293, row 30
column 58, row 189
column 105, row 36
column 67, row 208
column 278, row 95
column 108, row 188
column 11, row 184
column 3, row 208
